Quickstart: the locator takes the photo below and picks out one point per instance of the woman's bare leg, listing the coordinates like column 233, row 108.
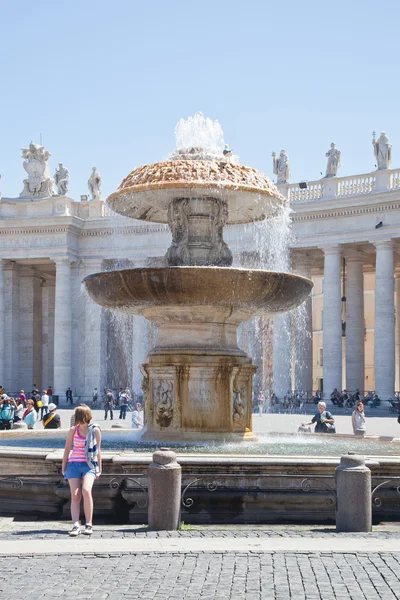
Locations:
column 76, row 495
column 87, row 486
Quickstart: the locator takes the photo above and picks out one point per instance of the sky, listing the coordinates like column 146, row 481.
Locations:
column 105, row 82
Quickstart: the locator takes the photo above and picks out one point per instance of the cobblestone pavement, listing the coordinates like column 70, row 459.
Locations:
column 203, row 576
column 41, row 530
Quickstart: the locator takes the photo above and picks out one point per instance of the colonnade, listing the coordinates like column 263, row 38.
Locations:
column 299, row 375
column 51, row 329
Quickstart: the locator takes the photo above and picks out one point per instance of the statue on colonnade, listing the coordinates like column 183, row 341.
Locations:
column 94, row 184
column 61, row 178
column 382, row 150
column 281, row 167
column 333, row 156
column 39, row 183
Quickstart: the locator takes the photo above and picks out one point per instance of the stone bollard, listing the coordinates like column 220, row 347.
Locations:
column 164, row 476
column 353, row 495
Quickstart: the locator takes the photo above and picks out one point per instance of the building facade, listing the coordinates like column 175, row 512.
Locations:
column 345, row 336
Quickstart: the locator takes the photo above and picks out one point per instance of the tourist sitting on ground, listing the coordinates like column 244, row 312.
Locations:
column 324, row 421
column 29, row 417
column 81, row 465
column 18, row 410
column 6, row 413
column 317, row 397
column 376, row 401
column 137, row 422
column 358, row 419
column 52, row 420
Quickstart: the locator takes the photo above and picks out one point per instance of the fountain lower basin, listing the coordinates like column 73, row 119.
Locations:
column 197, row 381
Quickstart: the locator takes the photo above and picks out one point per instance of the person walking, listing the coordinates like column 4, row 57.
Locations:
column 81, row 465
column 109, row 405
column 52, row 420
column 324, row 421
column 44, row 409
column 358, row 419
column 68, row 396
column 95, row 396
column 29, row 417
column 6, row 413
column 123, row 406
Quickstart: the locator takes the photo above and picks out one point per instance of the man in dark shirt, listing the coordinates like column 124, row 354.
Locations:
column 52, row 420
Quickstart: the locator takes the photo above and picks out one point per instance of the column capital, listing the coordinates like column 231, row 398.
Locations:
column 62, row 260
column 353, row 255
column 383, row 244
column 332, row 250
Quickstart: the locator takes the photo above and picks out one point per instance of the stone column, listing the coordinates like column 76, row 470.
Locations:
column 2, row 325
column 30, row 329
column 332, row 321
column 384, row 346
column 354, row 323
column 48, row 297
column 62, row 328
column 11, row 327
column 397, row 333
column 94, row 340
column 303, row 333
column 282, row 364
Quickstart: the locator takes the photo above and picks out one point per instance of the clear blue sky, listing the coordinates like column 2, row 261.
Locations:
column 106, row 81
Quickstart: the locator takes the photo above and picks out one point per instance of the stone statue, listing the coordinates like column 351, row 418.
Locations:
column 220, row 255
column 281, row 167
column 94, row 184
column 382, row 150
column 178, row 252
column 61, row 178
column 39, row 183
column 333, row 164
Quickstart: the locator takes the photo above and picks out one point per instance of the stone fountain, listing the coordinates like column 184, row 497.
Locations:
column 197, row 381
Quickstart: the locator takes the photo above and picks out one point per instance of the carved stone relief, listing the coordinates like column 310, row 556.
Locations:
column 163, row 402
column 239, row 407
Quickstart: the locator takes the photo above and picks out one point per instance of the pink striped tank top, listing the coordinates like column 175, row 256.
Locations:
column 78, row 448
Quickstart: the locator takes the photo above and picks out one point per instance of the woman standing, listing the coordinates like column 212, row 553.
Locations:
column 82, row 466
column 358, row 419
column 29, row 417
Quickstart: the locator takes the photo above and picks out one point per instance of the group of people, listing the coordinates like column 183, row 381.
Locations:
column 346, row 399
column 123, row 402
column 325, row 422
column 26, row 408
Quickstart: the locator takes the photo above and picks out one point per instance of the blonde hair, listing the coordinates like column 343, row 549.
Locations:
column 83, row 414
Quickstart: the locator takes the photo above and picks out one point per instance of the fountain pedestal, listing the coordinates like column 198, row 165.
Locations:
column 190, row 397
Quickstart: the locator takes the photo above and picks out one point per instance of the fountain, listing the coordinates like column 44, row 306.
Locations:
column 197, row 381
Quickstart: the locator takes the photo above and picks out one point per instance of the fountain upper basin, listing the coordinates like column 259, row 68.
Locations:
column 218, row 293
column 147, row 191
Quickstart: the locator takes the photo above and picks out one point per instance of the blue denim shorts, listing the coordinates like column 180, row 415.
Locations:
column 78, row 470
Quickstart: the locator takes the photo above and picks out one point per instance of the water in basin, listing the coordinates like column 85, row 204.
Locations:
column 268, row 445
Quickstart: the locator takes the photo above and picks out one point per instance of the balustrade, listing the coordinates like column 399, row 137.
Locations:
column 342, row 187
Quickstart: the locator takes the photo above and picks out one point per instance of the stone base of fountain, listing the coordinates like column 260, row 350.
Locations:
column 192, row 397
